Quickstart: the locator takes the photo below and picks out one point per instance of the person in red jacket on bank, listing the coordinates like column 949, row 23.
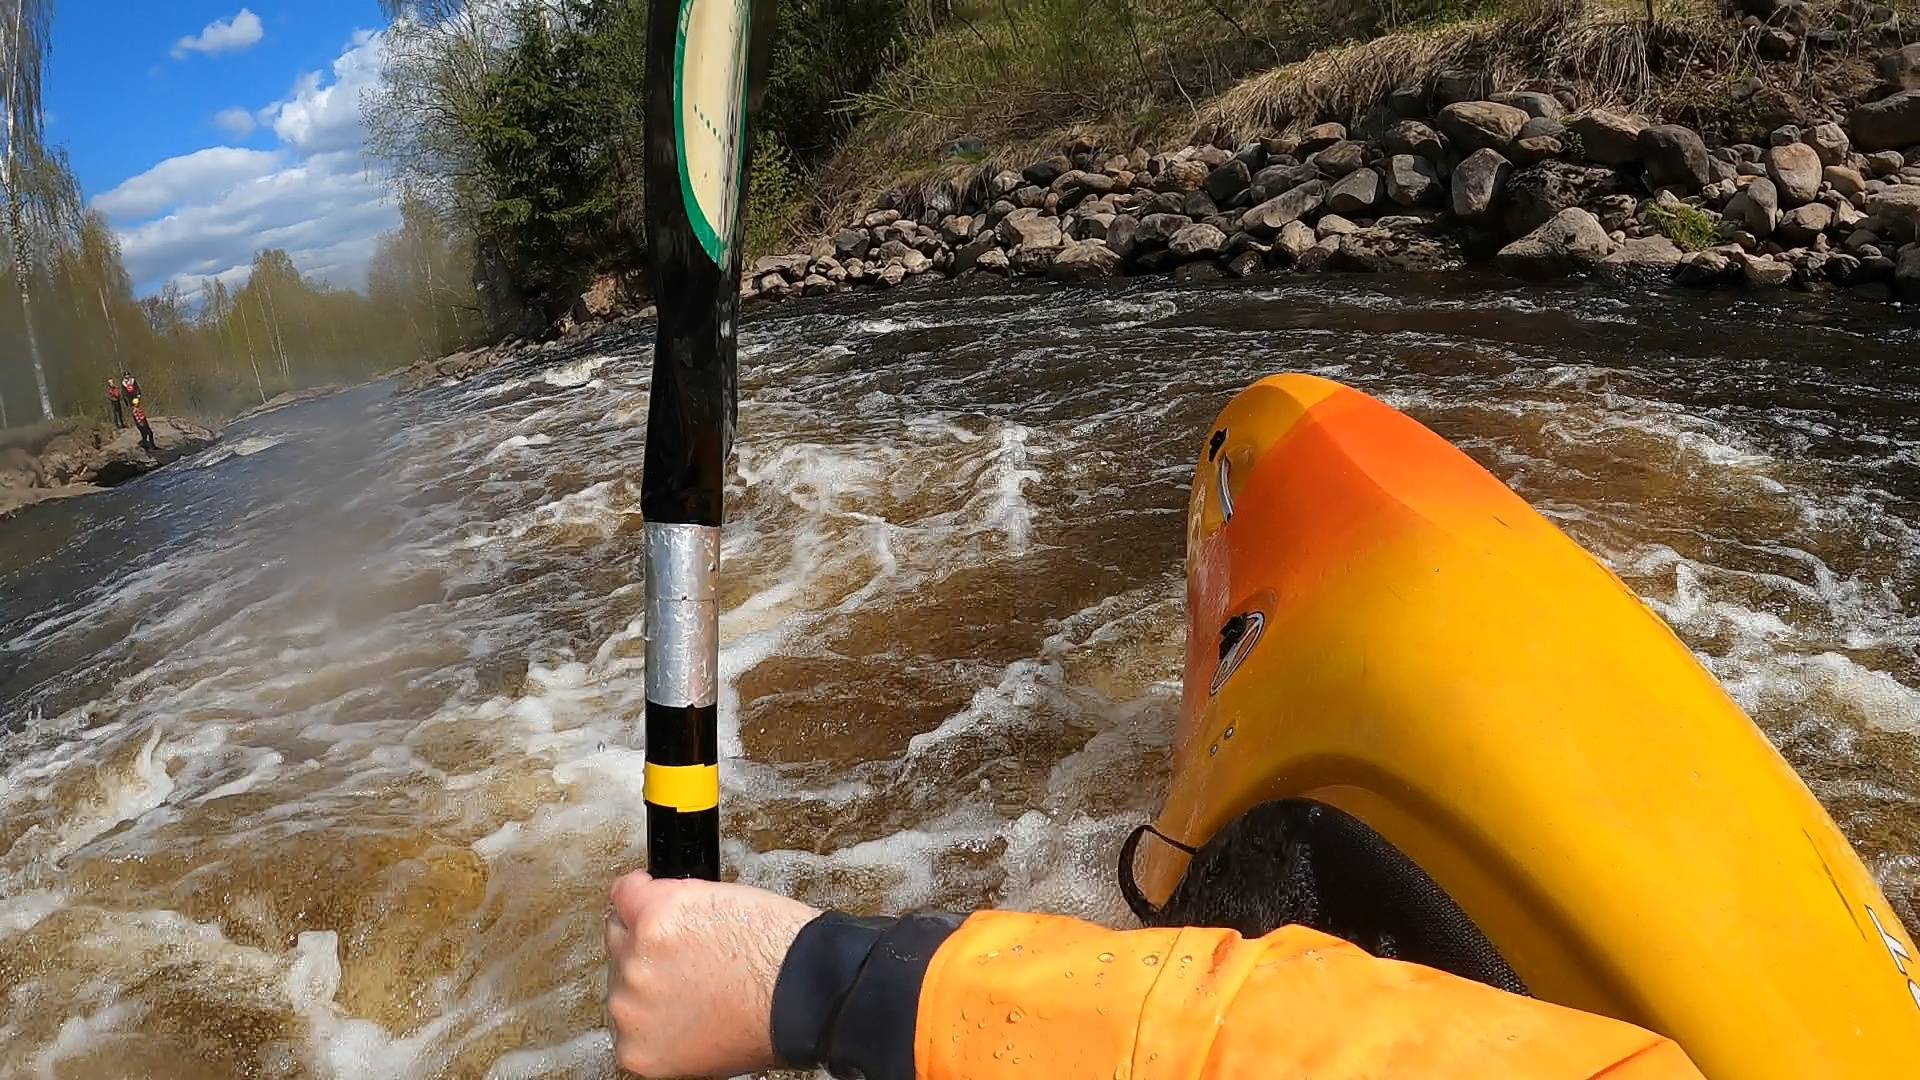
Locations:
column 146, row 432
column 708, row 979
column 113, row 398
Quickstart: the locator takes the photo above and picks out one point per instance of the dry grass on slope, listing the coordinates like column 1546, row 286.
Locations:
column 1147, row 72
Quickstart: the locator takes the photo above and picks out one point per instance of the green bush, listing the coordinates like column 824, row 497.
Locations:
column 1690, row 228
column 773, row 193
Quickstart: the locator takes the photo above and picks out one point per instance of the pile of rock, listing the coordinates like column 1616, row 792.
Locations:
column 73, row 458
column 1437, row 175
column 460, row 366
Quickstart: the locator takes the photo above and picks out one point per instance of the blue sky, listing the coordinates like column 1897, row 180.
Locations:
column 205, row 131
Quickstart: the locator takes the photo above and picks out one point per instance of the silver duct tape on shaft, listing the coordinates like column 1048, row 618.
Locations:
column 683, row 632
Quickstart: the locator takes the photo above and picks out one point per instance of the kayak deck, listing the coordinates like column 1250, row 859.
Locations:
column 1431, row 656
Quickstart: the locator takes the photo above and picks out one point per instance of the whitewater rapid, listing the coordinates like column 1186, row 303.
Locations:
column 316, row 757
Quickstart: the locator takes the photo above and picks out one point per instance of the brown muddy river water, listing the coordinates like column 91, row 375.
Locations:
column 317, row 753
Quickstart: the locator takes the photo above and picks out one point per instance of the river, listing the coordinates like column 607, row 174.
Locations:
column 317, row 751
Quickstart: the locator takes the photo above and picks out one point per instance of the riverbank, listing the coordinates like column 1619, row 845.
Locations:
column 65, row 458
column 1535, row 179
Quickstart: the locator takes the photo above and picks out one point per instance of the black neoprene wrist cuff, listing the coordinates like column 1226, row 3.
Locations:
column 848, row 993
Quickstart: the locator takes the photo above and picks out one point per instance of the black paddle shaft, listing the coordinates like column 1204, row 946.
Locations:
column 690, row 420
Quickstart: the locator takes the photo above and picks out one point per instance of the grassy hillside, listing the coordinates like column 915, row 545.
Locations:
column 1011, row 80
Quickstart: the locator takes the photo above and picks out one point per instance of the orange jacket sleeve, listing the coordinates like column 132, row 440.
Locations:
column 1011, row 994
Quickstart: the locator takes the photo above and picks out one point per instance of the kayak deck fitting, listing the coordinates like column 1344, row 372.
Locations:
column 1392, row 656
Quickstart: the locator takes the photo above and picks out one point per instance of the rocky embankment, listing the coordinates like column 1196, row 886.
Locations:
column 57, row 461
column 1440, row 174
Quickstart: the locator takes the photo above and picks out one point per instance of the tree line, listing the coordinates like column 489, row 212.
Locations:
column 520, row 123
column 70, row 317
column 77, row 320
column 511, row 136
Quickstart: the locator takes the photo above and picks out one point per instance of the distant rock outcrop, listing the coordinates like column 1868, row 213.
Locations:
column 67, row 458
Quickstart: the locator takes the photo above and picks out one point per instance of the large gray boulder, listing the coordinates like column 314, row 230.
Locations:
column 1078, row 185
column 1197, row 241
column 1763, row 271
column 1461, row 84
column 1320, row 136
column 1223, row 183
column 1357, row 193
column 1705, row 268
column 1028, row 228
column 1906, row 272
column 1416, row 138
column 1537, row 192
column 1084, row 260
column 1845, row 180
column 1532, row 102
column 1900, row 68
column 791, row 266
column 1477, row 184
column 958, row 229
column 1641, row 259
column 1295, row 238
column 1044, row 173
column 1396, row 244
column 1892, row 123
column 1339, row 159
column 1898, row 208
column 965, row 257
column 1674, row 155
column 1801, row 224
column 1278, row 180
column 1414, row 181
column 1269, row 217
column 851, row 244
column 1482, row 125
column 1573, row 242
column 1830, row 141
column 1756, row 208
column 1156, row 230
column 1183, row 176
column 1122, row 233
column 1609, row 138
column 1542, row 138
column 1795, row 170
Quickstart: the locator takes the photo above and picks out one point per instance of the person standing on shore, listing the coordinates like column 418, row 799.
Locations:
column 147, row 441
column 113, row 396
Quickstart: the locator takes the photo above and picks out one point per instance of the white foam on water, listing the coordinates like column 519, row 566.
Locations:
column 517, row 442
column 243, row 447
column 493, row 708
column 21, row 913
column 571, row 376
column 584, row 1055
column 80, row 1033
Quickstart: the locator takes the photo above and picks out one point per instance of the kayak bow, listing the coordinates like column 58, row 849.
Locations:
column 1409, row 680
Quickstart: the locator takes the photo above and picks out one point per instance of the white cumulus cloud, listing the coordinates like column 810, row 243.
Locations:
column 324, row 211
column 234, row 34
column 207, row 213
column 323, row 114
column 236, row 122
column 201, row 174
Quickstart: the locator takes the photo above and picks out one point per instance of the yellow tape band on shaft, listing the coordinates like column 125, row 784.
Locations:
column 685, row 788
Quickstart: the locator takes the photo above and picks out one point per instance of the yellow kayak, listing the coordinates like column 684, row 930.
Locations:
column 1440, row 725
